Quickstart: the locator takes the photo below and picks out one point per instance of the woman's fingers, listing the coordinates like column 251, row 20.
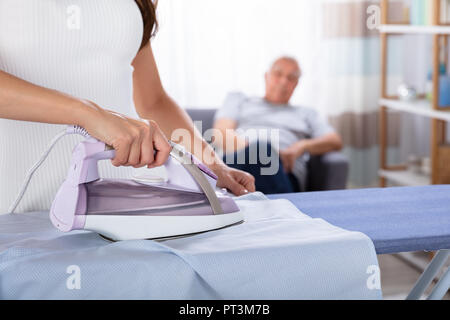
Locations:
column 147, row 151
column 160, row 144
column 237, row 181
column 135, row 151
column 122, row 146
column 150, row 146
column 135, row 141
column 246, row 179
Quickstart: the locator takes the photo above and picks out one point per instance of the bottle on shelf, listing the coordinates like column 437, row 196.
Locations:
column 444, row 86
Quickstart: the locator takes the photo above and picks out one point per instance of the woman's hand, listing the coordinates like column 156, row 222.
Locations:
column 135, row 141
column 237, row 181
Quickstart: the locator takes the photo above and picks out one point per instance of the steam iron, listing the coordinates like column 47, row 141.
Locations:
column 143, row 208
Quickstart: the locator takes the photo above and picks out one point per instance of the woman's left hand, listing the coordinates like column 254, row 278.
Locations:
column 237, row 181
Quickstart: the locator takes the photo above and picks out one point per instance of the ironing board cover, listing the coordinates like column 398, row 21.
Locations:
column 398, row 219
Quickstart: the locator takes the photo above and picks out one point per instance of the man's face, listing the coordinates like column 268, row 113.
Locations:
column 281, row 81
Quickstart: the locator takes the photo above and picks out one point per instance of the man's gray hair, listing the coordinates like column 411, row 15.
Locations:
column 287, row 58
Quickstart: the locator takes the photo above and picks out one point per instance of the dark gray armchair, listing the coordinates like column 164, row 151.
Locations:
column 326, row 172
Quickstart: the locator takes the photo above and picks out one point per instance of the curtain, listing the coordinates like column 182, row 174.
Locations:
column 350, row 88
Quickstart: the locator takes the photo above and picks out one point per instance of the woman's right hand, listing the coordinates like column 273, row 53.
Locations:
column 138, row 143
column 135, row 141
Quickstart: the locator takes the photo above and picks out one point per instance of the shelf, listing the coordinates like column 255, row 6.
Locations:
column 420, row 107
column 405, row 177
column 398, row 174
column 412, row 29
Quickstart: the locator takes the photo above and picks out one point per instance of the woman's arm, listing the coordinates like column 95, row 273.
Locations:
column 22, row 100
column 133, row 140
column 152, row 102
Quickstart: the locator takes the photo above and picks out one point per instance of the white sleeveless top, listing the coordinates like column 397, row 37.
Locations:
column 80, row 47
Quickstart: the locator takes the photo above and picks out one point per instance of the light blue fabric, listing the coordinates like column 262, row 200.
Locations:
column 278, row 253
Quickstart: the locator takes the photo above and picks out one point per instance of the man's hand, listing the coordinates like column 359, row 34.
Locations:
column 237, row 181
column 290, row 155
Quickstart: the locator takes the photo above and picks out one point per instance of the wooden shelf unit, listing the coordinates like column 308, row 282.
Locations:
column 405, row 177
column 439, row 115
column 420, row 107
column 412, row 29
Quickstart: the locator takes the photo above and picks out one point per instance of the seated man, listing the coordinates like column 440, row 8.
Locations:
column 301, row 131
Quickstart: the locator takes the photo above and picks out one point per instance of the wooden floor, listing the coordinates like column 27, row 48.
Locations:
column 398, row 277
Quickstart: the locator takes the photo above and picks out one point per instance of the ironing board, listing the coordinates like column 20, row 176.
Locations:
column 399, row 219
column 395, row 219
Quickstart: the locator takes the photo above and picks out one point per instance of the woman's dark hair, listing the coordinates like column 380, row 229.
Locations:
column 148, row 11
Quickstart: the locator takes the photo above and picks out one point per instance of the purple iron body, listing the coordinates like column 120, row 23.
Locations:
column 187, row 203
